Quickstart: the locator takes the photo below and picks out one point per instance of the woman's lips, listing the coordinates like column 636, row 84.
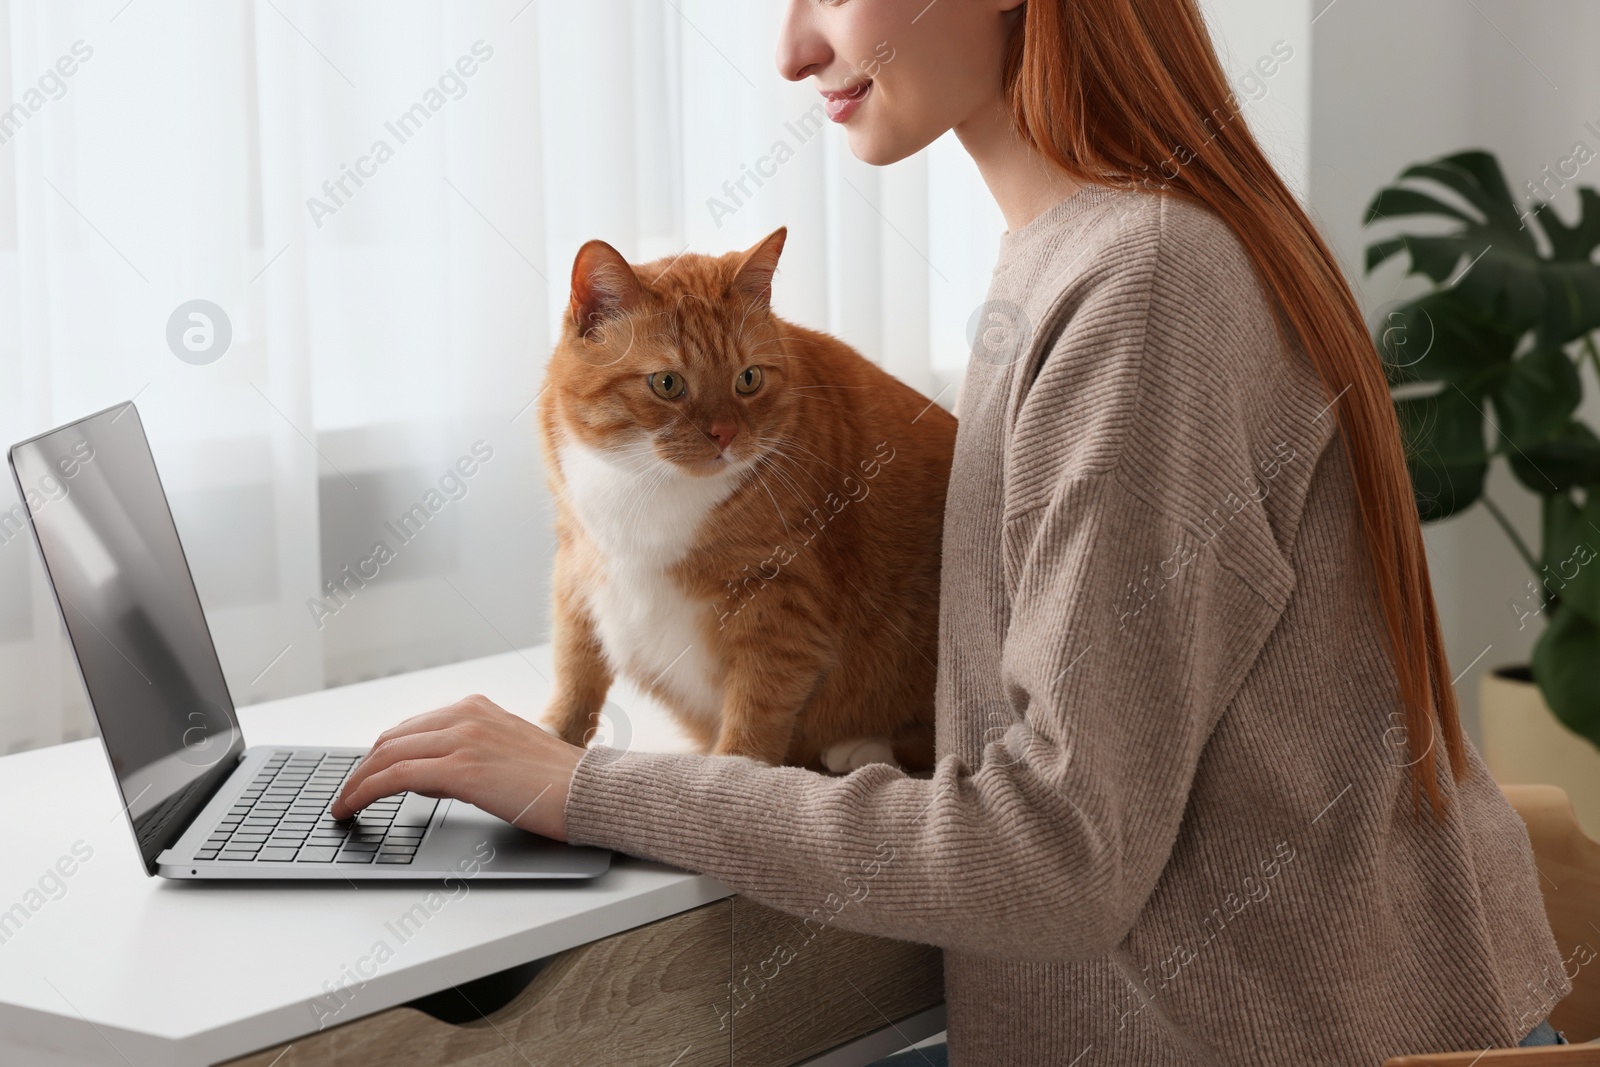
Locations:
column 841, row 105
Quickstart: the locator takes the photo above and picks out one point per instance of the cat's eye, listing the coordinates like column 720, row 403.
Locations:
column 748, row 381
column 666, row 384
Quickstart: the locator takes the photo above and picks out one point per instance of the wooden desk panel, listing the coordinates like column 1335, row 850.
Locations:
column 728, row 983
column 649, row 995
column 803, row 986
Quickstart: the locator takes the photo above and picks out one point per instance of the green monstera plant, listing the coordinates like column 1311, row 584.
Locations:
column 1484, row 366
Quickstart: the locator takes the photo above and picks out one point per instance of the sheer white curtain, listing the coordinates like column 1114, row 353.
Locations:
column 381, row 201
column 389, row 238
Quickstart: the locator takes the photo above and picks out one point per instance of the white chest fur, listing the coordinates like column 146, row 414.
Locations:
column 642, row 515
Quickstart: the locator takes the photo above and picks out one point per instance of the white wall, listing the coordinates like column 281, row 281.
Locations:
column 1397, row 81
column 1278, row 106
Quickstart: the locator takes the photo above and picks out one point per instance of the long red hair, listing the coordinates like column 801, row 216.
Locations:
column 1129, row 92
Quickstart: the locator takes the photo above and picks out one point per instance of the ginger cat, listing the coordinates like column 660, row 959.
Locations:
column 748, row 518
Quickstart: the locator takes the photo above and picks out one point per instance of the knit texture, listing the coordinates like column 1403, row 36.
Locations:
column 1171, row 820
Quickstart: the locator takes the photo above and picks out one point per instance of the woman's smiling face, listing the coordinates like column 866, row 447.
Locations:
column 898, row 73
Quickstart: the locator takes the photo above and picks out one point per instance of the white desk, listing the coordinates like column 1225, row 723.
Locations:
column 122, row 969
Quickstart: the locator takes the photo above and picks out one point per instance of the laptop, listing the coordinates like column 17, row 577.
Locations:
column 200, row 802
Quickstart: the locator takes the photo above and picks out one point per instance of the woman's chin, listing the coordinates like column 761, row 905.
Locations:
column 878, row 147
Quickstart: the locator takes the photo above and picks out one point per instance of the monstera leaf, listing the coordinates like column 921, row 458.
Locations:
column 1446, row 338
column 1444, row 451
column 1566, row 659
column 1571, row 563
column 1536, row 396
column 1570, row 456
column 1515, row 296
column 1507, row 279
column 1495, row 329
column 1567, row 670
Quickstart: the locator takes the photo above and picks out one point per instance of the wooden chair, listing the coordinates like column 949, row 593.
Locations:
column 1569, row 874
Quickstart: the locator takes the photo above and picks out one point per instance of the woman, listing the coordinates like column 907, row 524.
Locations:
column 1202, row 795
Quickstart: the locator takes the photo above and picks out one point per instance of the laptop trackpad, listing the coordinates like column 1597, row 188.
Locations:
column 468, row 839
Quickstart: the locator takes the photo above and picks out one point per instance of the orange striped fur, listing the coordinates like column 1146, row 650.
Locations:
column 759, row 553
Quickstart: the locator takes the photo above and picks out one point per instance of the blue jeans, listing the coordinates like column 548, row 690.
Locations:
column 939, row 1055
column 1543, row 1034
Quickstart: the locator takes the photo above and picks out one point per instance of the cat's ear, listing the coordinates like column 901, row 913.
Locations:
column 603, row 286
column 754, row 279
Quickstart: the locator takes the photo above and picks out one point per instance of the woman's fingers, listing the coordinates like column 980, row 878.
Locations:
column 428, row 720
column 430, row 777
column 473, row 751
column 432, row 744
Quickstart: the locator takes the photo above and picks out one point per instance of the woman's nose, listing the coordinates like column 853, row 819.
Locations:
column 802, row 51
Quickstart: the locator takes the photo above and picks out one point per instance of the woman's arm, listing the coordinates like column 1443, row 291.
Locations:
column 1047, row 850
column 473, row 750
column 1154, row 471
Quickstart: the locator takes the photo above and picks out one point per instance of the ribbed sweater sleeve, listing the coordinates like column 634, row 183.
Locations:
column 1048, row 848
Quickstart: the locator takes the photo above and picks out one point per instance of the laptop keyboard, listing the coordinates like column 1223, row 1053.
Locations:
column 153, row 825
column 284, row 816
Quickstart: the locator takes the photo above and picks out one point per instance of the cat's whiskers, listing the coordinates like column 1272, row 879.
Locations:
column 818, row 459
column 647, row 474
column 787, row 484
column 644, row 459
column 756, row 471
column 637, row 473
column 646, row 493
column 774, row 341
column 651, row 469
column 634, row 466
column 794, row 486
column 707, row 436
column 764, row 461
column 814, row 458
column 772, row 456
column 801, row 395
column 630, row 462
column 634, row 458
column 802, row 500
column 749, row 309
column 842, row 472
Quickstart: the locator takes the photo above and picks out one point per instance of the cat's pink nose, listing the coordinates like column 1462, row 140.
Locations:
column 722, row 434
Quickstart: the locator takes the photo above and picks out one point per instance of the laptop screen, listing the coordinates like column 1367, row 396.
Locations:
column 131, row 610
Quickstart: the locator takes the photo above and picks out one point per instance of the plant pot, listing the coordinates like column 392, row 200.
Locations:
column 1525, row 744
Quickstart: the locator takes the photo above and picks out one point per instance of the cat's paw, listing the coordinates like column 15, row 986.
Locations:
column 567, row 727
column 845, row 756
column 550, row 726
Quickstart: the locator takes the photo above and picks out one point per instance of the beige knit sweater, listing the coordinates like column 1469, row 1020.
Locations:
column 1171, row 821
